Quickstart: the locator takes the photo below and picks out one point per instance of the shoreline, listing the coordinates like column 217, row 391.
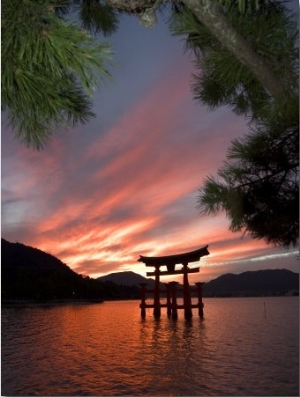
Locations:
column 15, row 302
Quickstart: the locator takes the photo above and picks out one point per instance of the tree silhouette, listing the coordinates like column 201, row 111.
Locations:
column 258, row 185
column 246, row 58
column 50, row 67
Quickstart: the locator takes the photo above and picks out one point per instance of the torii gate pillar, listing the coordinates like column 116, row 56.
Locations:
column 156, row 311
column 186, row 292
column 200, row 303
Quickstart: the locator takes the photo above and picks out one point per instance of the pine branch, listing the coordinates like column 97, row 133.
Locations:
column 48, row 71
column 211, row 15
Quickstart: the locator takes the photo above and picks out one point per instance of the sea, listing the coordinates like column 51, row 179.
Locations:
column 242, row 347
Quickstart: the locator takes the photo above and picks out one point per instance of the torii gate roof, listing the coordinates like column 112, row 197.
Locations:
column 192, row 256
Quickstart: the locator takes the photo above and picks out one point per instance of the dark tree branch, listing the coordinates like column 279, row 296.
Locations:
column 210, row 13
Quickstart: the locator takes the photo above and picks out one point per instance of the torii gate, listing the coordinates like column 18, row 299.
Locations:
column 170, row 262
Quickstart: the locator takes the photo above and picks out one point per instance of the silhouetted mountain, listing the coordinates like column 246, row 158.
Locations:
column 256, row 283
column 19, row 256
column 29, row 273
column 127, row 278
column 252, row 283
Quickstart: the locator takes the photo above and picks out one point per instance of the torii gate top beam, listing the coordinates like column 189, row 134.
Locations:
column 186, row 257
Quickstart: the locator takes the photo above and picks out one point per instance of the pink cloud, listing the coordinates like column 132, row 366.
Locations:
column 130, row 189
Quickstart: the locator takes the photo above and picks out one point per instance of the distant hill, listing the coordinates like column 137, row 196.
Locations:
column 28, row 273
column 256, row 283
column 128, row 278
column 252, row 283
column 16, row 256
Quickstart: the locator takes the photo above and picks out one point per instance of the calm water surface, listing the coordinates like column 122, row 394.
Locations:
column 244, row 347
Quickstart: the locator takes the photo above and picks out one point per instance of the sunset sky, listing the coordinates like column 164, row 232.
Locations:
column 126, row 184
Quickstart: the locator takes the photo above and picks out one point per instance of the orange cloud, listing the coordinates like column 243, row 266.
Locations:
column 130, row 189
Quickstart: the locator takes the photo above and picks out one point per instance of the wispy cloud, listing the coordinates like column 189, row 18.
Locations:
column 98, row 201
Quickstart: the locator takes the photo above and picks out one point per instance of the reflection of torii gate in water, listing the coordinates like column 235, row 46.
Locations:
column 170, row 262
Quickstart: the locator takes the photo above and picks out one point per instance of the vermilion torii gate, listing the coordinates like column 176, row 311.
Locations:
column 170, row 262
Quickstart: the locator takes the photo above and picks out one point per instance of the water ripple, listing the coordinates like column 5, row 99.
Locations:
column 107, row 349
